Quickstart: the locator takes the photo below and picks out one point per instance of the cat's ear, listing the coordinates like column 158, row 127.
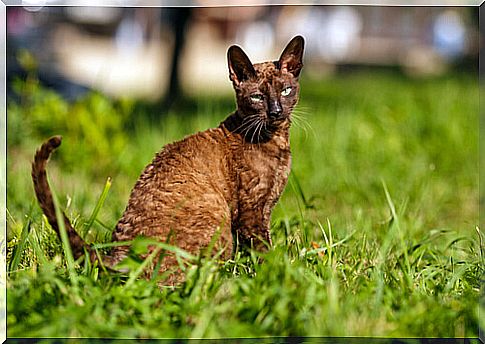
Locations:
column 291, row 59
column 240, row 67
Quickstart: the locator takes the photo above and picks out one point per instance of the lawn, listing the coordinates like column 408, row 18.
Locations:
column 375, row 235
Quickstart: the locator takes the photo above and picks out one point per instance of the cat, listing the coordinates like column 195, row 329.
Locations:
column 223, row 181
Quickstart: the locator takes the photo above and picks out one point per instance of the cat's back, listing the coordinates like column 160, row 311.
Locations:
column 184, row 188
column 188, row 169
column 185, row 152
column 200, row 155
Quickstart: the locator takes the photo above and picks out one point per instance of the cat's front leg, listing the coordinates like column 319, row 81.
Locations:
column 253, row 232
column 255, row 239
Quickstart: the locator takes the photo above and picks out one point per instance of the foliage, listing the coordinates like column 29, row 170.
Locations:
column 375, row 234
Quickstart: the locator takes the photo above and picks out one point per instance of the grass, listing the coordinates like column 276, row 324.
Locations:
column 375, row 235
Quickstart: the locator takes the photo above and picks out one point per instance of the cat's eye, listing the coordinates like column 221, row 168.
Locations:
column 286, row 91
column 256, row 97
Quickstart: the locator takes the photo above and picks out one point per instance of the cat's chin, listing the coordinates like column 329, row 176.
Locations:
column 280, row 122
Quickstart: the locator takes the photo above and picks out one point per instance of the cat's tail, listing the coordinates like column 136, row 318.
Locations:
column 44, row 196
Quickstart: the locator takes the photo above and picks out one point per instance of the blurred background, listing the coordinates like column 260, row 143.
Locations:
column 162, row 54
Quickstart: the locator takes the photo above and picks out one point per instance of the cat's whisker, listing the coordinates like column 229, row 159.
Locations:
column 260, row 137
column 250, row 126
column 301, row 123
column 299, row 114
column 246, row 120
column 256, row 130
column 265, row 128
column 243, row 125
column 300, row 119
column 303, row 127
column 301, row 108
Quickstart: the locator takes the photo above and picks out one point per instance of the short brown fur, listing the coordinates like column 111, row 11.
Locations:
column 222, row 181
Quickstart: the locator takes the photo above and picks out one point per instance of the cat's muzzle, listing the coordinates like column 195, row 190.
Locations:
column 275, row 110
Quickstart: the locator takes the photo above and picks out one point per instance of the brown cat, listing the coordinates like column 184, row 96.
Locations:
column 224, row 180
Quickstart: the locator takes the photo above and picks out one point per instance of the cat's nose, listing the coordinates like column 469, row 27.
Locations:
column 275, row 110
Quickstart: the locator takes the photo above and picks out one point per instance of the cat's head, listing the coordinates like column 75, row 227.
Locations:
column 265, row 92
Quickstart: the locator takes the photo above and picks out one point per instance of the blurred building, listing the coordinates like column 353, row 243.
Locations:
column 139, row 51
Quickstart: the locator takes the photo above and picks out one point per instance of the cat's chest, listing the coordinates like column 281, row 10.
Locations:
column 265, row 162
column 264, row 171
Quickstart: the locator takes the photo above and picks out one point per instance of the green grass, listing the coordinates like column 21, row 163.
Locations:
column 375, row 235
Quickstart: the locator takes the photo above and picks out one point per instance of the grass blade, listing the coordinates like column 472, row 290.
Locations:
column 66, row 246
column 98, row 206
column 482, row 246
column 295, row 183
column 325, row 249
column 112, row 244
column 395, row 219
column 19, row 249
column 103, row 225
column 35, row 243
column 135, row 274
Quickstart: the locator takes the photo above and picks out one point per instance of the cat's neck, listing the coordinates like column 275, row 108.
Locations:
column 234, row 124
